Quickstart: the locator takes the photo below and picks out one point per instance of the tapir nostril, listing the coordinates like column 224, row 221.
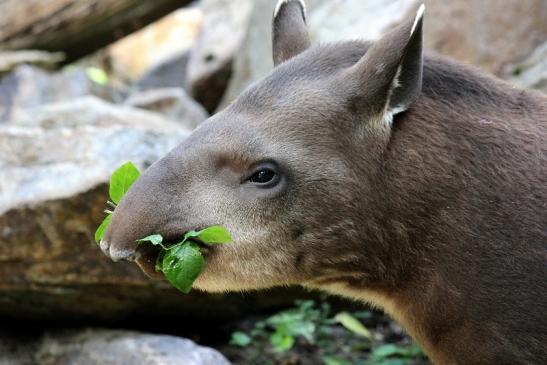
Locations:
column 104, row 245
column 117, row 254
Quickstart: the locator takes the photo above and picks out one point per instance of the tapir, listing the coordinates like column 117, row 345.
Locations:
column 375, row 172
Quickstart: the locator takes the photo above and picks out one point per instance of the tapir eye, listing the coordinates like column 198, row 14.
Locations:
column 264, row 176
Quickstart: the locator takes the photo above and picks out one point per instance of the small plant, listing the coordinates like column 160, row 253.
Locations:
column 305, row 321
column 97, row 75
column 337, row 340
column 182, row 262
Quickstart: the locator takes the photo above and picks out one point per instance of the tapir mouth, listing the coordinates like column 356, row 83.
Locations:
column 146, row 257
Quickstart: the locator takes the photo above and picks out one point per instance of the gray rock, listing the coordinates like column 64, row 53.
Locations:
column 170, row 73
column 209, row 67
column 330, row 21
column 108, row 347
column 532, row 72
column 254, row 59
column 490, row 34
column 62, row 149
column 103, row 347
column 171, row 102
column 29, row 87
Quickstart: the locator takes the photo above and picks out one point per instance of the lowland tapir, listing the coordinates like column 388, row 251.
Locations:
column 371, row 171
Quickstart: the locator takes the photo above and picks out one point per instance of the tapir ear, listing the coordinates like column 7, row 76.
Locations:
column 389, row 75
column 289, row 32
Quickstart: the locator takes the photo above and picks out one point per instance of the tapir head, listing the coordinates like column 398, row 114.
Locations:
column 288, row 168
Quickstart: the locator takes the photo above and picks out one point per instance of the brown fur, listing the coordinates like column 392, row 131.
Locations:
column 439, row 218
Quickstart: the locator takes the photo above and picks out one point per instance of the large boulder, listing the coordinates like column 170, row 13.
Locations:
column 532, row 72
column 221, row 35
column 54, row 166
column 61, row 149
column 472, row 31
column 158, row 42
column 171, row 102
column 330, row 21
column 169, row 73
column 105, row 347
column 29, row 87
column 490, row 34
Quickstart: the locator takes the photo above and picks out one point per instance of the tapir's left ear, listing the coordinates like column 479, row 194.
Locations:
column 388, row 78
column 289, row 32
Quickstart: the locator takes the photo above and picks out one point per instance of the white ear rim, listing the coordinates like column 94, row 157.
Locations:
column 280, row 3
column 419, row 16
column 391, row 112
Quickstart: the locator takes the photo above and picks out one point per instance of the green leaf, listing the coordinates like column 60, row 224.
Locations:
column 155, row 239
column 281, row 342
column 388, row 350
column 213, row 234
column 352, row 324
column 99, row 233
column 363, row 314
column 388, row 362
column 121, row 180
column 182, row 264
column 190, row 234
column 240, row 339
column 383, row 351
column 97, row 75
column 331, row 360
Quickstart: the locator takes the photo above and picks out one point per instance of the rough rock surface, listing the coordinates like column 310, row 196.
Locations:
column 123, row 347
column 95, row 138
column 105, row 347
column 330, row 21
column 490, row 34
column 156, row 43
column 169, row 73
column 254, row 59
column 29, row 87
column 532, row 72
column 209, row 67
column 171, row 102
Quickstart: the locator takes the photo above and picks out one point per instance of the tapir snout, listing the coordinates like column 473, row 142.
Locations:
column 145, row 209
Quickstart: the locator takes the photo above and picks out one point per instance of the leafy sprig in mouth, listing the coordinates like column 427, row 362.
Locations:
column 182, row 262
